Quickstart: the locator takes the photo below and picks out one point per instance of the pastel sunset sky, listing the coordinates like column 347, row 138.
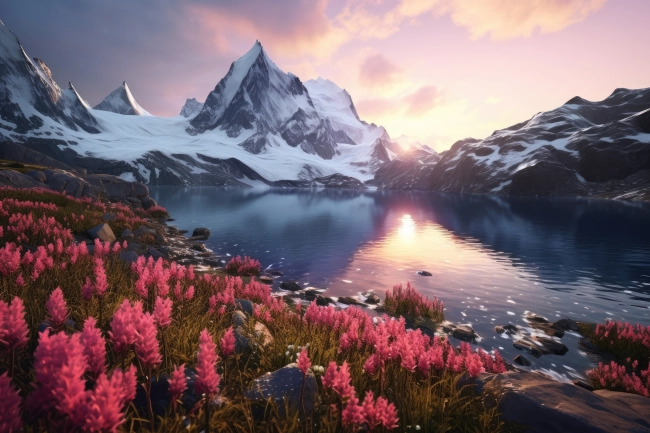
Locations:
column 435, row 70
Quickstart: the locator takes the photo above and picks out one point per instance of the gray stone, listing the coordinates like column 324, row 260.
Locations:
column 372, row 298
column 238, row 318
column 148, row 203
column 290, row 285
column 566, row 325
column 18, row 180
column 538, row 346
column 547, row 406
column 134, row 202
column 197, row 246
column 38, row 175
column 244, row 305
column 522, row 360
column 126, row 234
column 464, row 333
column 266, row 279
column 129, row 256
column 348, row 300
column 509, row 329
column 156, row 254
column 202, row 232
column 143, row 230
column 102, row 232
column 424, row 273
column 285, row 387
column 583, row 384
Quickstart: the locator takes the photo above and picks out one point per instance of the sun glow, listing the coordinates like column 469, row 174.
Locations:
column 407, row 227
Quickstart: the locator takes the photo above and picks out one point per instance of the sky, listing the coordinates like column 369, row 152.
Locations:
column 436, row 71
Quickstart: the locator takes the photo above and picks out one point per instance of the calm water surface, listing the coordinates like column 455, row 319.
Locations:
column 493, row 259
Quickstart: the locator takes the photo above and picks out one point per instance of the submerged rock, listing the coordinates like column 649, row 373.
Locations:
column 461, row 332
column 425, row 273
column 266, row 279
column 201, row 232
column 290, row 285
column 371, row 298
column 509, row 329
column 538, row 346
column 522, row 360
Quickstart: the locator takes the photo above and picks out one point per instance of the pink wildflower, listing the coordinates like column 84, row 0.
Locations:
column 20, row 281
column 207, row 380
column 94, row 347
column 123, row 326
column 330, row 375
column 189, row 293
column 57, row 309
column 10, row 408
column 101, row 283
column 341, row 383
column 102, row 411
column 303, row 361
column 13, row 327
column 162, row 312
column 228, row 343
column 146, row 343
column 387, row 413
column 352, row 413
column 177, row 383
column 87, row 290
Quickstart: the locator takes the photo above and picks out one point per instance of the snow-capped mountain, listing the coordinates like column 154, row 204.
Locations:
column 191, row 108
column 121, row 101
column 581, row 148
column 260, row 125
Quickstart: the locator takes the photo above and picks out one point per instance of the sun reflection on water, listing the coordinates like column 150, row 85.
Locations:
column 406, row 230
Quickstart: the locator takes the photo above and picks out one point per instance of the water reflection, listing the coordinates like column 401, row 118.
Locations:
column 492, row 258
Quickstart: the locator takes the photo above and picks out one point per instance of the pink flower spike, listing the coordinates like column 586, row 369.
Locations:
column 177, row 383
column 101, row 283
column 103, row 411
column 13, row 327
column 162, row 312
column 370, row 413
column 207, row 380
column 330, row 374
column 387, row 413
column 352, row 413
column 123, row 326
column 87, row 290
column 303, row 361
column 94, row 347
column 57, row 309
column 10, row 420
column 228, row 343
column 189, row 293
column 20, row 281
column 146, row 343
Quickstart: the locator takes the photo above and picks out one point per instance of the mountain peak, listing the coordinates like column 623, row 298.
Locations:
column 191, row 108
column 121, row 101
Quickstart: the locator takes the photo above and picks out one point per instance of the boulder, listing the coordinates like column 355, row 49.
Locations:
column 238, row 318
column 18, row 180
column 509, row 329
column 244, row 305
column 290, row 285
column 38, row 175
column 285, row 387
column 461, row 332
column 197, row 246
column 522, row 360
column 266, row 279
column 348, row 300
column 143, row 230
column 102, row 232
column 156, row 254
column 201, row 232
column 134, row 202
column 566, row 325
column 545, row 405
column 126, row 234
column 538, row 346
column 424, row 273
column 148, row 202
column 261, row 334
column 372, row 298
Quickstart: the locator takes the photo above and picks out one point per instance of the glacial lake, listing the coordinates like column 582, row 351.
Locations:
column 493, row 259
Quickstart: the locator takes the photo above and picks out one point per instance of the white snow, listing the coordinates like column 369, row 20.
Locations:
column 121, row 101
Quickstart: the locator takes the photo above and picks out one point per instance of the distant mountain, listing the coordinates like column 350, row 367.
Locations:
column 258, row 126
column 121, row 101
column 581, row 148
column 262, row 126
column 191, row 108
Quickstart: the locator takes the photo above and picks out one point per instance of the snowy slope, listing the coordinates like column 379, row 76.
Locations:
column 121, row 101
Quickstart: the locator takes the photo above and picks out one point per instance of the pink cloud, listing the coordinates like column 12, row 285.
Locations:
column 505, row 19
column 377, row 70
column 415, row 104
column 421, row 101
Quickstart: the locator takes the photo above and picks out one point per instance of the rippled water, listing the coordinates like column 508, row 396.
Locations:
column 493, row 259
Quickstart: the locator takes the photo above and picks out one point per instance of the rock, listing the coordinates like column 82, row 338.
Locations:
column 545, row 405
column 522, row 360
column 173, row 231
column 324, row 301
column 148, row 203
column 274, row 273
column 134, row 202
column 532, row 317
column 82, row 239
column 144, row 230
column 372, row 298
column 538, row 346
column 548, row 329
column 160, row 238
column 425, row 273
column 238, row 318
column 156, row 254
column 18, row 180
column 244, row 305
column 201, row 231
column 38, row 175
column 129, row 256
column 263, row 333
column 266, row 279
column 286, row 384
column 566, row 325
column 509, row 329
column 126, row 234
column 102, row 232
column 464, row 333
column 348, row 300
column 582, row 384
column 242, row 337
column 197, row 246
column 108, row 217
column 290, row 285
column 586, row 343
